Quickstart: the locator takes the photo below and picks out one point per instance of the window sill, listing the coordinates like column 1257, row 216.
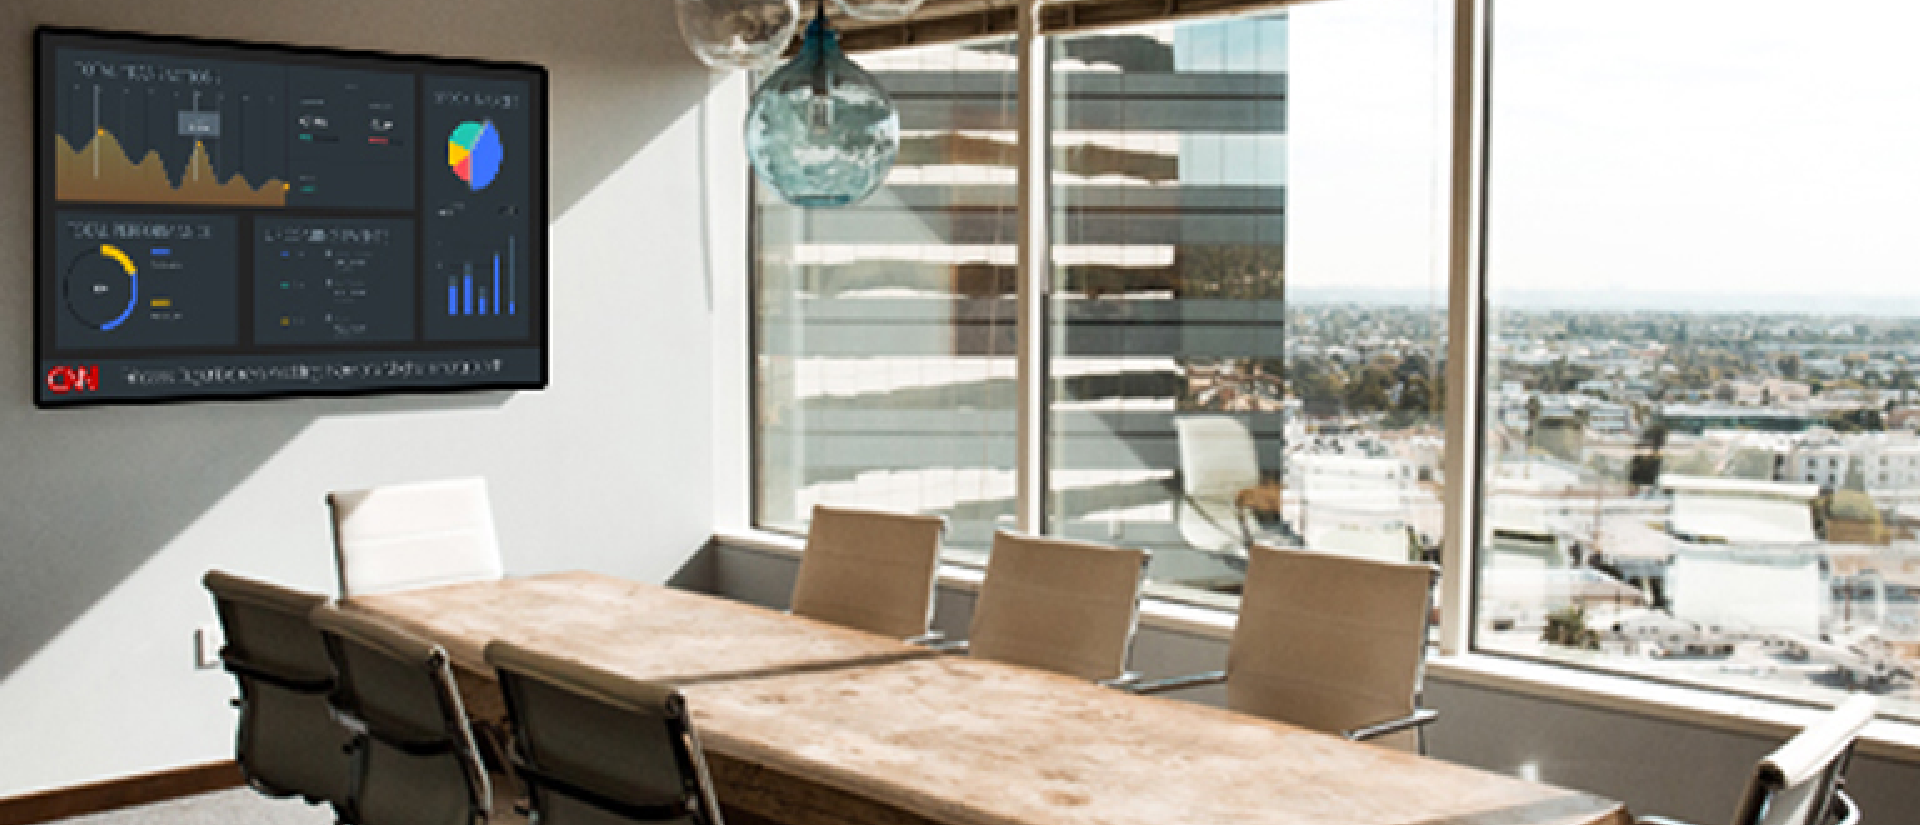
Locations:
column 1896, row 741
column 1885, row 739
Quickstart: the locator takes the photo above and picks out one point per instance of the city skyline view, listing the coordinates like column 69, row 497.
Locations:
column 1700, row 416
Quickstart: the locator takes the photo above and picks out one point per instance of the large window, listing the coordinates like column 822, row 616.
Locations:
column 1213, row 376
column 1700, row 458
column 1699, row 382
column 885, row 330
column 1168, row 197
column 1218, row 374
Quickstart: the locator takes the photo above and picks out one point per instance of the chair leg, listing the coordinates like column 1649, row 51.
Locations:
column 496, row 752
column 492, row 743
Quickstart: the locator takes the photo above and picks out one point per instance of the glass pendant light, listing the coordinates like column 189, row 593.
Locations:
column 820, row 131
column 738, row 34
column 878, row 9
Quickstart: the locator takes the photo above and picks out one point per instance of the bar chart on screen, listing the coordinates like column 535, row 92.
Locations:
column 485, row 287
column 482, row 292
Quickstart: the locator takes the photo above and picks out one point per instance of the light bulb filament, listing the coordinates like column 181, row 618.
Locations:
column 819, row 113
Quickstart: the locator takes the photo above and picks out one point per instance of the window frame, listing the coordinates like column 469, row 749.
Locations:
column 1034, row 290
column 1466, row 181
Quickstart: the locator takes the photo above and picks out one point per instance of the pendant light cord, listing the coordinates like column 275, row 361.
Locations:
column 822, row 80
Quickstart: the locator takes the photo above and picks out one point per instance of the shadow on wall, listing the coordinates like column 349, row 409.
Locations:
column 89, row 496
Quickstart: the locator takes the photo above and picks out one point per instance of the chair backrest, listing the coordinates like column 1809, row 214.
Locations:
column 1060, row 605
column 416, row 763
column 870, row 570
column 267, row 629
column 1329, row 641
column 413, row 535
column 1217, row 455
column 287, row 742
column 596, row 747
column 1795, row 785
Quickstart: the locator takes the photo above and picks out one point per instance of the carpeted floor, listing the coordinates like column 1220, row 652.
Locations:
column 239, row 806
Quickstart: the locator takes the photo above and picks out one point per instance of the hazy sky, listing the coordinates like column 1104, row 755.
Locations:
column 1683, row 148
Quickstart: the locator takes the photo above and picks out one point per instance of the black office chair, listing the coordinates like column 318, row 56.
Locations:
column 1802, row 783
column 414, row 759
column 595, row 748
column 287, row 742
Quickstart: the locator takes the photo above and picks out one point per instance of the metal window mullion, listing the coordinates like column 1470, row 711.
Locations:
column 1466, row 301
column 1030, row 429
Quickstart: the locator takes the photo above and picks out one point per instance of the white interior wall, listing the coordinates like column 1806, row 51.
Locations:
column 108, row 517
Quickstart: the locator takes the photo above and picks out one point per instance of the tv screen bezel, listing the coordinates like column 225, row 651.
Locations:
column 46, row 39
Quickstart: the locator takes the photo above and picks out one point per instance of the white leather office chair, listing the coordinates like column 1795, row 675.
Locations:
column 413, row 535
column 1328, row 641
column 1801, row 783
column 870, row 570
column 1217, row 461
column 596, row 748
column 1059, row 605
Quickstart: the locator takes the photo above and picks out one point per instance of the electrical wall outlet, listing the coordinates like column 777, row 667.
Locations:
column 207, row 641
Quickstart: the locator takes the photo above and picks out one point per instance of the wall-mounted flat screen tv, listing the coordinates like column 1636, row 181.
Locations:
column 225, row 220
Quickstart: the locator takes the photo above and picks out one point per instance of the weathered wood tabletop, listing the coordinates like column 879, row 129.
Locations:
column 809, row 723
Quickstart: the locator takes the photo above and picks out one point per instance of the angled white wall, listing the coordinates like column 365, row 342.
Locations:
column 109, row 517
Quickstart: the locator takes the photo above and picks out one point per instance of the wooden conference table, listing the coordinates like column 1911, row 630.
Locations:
column 808, row 723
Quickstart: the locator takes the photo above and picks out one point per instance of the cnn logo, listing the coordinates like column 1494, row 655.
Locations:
column 63, row 380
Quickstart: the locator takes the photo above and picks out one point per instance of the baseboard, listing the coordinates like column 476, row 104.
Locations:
column 126, row 791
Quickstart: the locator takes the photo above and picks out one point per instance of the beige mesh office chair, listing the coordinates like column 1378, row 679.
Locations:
column 1059, row 605
column 1802, row 783
column 287, row 743
column 414, row 757
column 870, row 570
column 413, row 535
column 596, row 748
column 1327, row 641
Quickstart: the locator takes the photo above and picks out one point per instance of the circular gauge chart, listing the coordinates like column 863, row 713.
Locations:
column 103, row 286
column 474, row 153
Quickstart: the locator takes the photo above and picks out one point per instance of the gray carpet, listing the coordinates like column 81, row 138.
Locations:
column 239, row 805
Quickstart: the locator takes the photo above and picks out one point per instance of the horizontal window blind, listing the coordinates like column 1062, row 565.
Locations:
column 946, row 21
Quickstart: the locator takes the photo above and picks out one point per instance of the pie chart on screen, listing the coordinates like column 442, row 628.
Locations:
column 474, row 152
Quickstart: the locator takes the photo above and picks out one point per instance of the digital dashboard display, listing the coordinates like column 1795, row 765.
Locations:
column 235, row 220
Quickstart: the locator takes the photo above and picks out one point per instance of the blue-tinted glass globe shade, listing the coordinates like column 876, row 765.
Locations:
column 878, row 9
column 821, row 131
column 738, row 34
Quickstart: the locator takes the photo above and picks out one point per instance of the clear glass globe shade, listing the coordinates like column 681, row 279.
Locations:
column 820, row 130
column 738, row 34
column 878, row 9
